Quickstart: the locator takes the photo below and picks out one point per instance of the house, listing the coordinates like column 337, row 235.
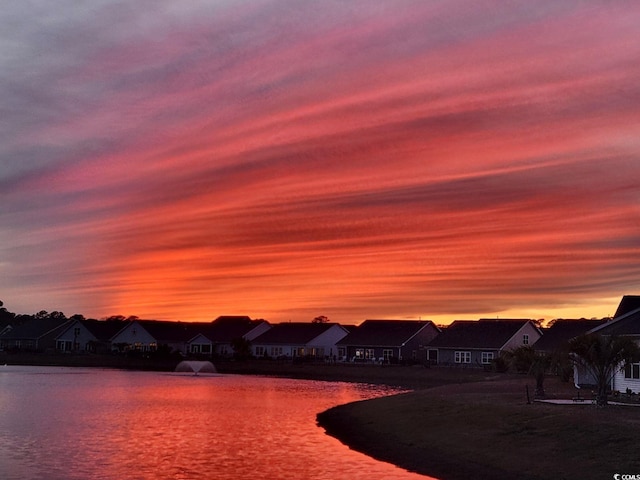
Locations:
column 556, row 338
column 35, row 335
column 218, row 336
column 477, row 343
column 149, row 335
column 627, row 304
column 88, row 335
column 389, row 341
column 626, row 324
column 297, row 339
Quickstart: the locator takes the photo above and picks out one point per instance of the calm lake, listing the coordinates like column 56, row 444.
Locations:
column 72, row 423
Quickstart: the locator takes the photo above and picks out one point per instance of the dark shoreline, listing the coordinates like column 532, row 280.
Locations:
column 454, row 424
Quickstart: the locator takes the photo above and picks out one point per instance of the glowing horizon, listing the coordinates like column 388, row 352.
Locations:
column 284, row 160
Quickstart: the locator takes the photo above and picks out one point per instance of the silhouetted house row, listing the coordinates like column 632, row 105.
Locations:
column 479, row 342
column 90, row 335
column 207, row 338
column 296, row 339
column 626, row 323
column 387, row 341
column 35, row 335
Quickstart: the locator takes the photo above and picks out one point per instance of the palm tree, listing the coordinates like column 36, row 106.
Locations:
column 602, row 356
column 525, row 359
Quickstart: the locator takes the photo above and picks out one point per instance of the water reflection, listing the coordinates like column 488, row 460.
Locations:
column 60, row 423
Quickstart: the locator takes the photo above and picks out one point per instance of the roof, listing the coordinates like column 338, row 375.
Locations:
column 627, row 324
column 37, row 328
column 103, row 329
column 384, row 332
column 627, row 304
column 171, row 332
column 227, row 328
column 295, row 333
column 563, row 330
column 483, row 333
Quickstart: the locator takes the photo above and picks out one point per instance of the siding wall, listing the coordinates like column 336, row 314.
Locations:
column 517, row 340
column 621, row 384
column 132, row 334
column 82, row 339
column 446, row 356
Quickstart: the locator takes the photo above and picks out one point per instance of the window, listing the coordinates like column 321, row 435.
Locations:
column 359, row 353
column 260, row 351
column 525, row 339
column 487, row 357
column 276, row 351
column 369, row 354
column 342, row 352
column 387, row 353
column 632, row 371
column 462, row 357
column 432, row 356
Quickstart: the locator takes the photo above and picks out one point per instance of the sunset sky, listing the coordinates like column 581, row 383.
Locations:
column 288, row 159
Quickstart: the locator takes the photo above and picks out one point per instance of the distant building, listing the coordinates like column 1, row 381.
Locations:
column 388, row 341
column 88, row 335
column 297, row 339
column 37, row 335
column 476, row 343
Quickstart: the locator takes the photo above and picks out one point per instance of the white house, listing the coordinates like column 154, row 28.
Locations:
column 627, row 324
column 298, row 339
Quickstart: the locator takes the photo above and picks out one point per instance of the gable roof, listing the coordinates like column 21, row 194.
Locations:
column 294, row 333
column 382, row 333
column 227, row 328
column 626, row 321
column 558, row 335
column 104, row 329
column 37, row 328
column 627, row 304
column 627, row 324
column 483, row 333
column 171, row 332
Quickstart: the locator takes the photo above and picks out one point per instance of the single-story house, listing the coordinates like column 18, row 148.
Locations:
column 38, row 334
column 297, row 339
column 626, row 324
column 149, row 335
column 477, row 343
column 388, row 341
column 217, row 337
column 556, row 337
column 88, row 335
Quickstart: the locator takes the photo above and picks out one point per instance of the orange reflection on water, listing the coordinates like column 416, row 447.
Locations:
column 108, row 424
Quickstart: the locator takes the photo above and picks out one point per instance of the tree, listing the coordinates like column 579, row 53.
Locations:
column 525, row 359
column 241, row 348
column 603, row 356
column 320, row 319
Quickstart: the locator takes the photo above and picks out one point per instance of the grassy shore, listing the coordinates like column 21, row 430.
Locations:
column 488, row 430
